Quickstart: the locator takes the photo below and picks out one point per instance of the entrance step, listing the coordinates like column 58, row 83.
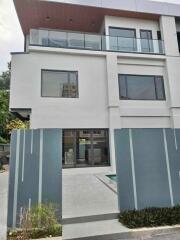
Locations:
column 96, row 230
column 92, row 218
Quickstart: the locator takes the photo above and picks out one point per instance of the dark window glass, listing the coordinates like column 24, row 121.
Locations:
column 85, row 148
column 146, row 41
column 135, row 87
column 159, row 88
column 178, row 37
column 122, row 39
column 59, row 84
column 160, row 42
column 123, row 88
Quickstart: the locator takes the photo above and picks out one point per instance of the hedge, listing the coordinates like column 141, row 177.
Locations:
column 151, row 217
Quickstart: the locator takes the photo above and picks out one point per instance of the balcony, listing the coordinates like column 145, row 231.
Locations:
column 87, row 41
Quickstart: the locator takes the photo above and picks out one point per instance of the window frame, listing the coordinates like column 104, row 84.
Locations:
column 143, row 99
column 60, row 71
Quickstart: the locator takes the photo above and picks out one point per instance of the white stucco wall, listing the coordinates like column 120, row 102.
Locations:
column 134, row 23
column 89, row 110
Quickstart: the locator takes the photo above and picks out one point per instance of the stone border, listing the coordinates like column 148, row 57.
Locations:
column 107, row 181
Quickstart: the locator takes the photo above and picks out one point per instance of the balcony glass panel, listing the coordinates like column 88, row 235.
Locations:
column 57, row 39
column 93, row 42
column 76, row 40
column 62, row 39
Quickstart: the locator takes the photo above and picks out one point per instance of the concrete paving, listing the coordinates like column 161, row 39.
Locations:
column 97, row 230
column 85, row 195
column 3, row 204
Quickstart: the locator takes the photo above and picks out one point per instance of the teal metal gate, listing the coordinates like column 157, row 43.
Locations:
column 35, row 171
column 148, row 168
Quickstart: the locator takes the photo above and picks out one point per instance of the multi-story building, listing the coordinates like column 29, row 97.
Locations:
column 90, row 67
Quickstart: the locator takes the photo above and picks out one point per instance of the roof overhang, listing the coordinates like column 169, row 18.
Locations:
column 85, row 16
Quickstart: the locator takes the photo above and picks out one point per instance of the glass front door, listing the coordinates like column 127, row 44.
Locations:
column 85, row 148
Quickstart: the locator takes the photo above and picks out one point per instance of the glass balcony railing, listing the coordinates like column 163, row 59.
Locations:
column 77, row 40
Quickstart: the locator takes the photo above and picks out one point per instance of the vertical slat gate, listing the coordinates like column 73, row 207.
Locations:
column 35, row 171
column 148, row 168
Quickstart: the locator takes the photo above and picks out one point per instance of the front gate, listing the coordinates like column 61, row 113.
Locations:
column 148, row 168
column 35, row 171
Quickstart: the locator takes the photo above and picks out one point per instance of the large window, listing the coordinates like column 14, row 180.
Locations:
column 60, row 84
column 122, row 39
column 138, row 87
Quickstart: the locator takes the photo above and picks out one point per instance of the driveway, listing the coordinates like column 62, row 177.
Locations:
column 3, row 204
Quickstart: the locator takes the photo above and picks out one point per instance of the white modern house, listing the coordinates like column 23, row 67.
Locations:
column 90, row 67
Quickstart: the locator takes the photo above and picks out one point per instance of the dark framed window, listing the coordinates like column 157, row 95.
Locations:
column 60, row 84
column 146, row 41
column 178, row 38
column 123, row 39
column 139, row 87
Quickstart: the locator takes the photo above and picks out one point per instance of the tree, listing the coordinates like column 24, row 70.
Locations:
column 4, row 108
column 5, row 78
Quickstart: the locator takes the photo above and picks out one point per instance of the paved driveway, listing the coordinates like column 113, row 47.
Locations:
column 3, row 204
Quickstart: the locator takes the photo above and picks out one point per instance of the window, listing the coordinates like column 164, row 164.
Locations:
column 122, row 39
column 134, row 87
column 146, row 41
column 60, row 84
column 178, row 38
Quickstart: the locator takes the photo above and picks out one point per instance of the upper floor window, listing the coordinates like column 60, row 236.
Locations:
column 123, row 39
column 138, row 87
column 146, row 41
column 62, row 84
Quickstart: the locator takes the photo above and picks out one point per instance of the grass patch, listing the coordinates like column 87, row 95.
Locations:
column 151, row 217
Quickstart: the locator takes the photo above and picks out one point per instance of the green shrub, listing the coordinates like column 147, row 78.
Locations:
column 151, row 217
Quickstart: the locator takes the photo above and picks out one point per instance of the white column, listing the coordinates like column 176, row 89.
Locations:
column 169, row 35
column 113, row 103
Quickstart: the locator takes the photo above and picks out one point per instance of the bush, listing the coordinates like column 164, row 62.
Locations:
column 38, row 222
column 151, row 217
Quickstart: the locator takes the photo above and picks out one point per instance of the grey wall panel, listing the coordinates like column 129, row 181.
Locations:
column 150, row 168
column 52, row 164
column 11, row 177
column 173, row 142
column 124, row 170
column 35, row 171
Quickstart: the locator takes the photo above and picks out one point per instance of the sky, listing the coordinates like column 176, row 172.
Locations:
column 11, row 37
